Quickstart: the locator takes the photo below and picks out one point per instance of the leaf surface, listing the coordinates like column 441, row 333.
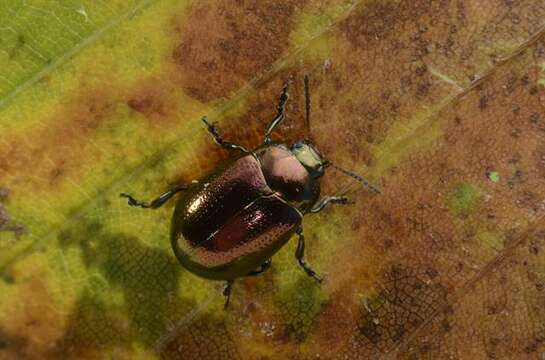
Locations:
column 439, row 103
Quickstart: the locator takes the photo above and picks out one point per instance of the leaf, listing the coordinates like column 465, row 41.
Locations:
column 439, row 103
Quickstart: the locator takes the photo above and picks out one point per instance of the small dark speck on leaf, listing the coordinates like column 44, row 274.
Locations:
column 483, row 103
column 6, row 224
column 4, row 193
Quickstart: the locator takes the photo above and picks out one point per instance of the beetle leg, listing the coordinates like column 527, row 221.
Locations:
column 227, row 292
column 213, row 130
column 163, row 198
column 280, row 112
column 343, row 200
column 264, row 267
column 300, row 253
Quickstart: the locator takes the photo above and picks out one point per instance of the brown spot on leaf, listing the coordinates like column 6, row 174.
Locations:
column 50, row 154
column 203, row 338
column 225, row 44
column 33, row 325
column 404, row 303
column 154, row 98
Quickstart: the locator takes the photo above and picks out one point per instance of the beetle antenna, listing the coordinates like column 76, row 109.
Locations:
column 359, row 178
column 307, row 106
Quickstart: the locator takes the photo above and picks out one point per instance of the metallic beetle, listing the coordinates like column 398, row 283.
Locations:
column 231, row 222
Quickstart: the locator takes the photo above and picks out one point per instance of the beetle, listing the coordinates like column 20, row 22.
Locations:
column 230, row 223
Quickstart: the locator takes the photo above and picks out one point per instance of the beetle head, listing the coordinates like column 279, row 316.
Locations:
column 309, row 157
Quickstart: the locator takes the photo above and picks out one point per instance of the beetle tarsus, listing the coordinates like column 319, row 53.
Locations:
column 300, row 253
column 227, row 293
column 213, row 130
column 133, row 202
column 341, row 200
column 157, row 203
column 280, row 114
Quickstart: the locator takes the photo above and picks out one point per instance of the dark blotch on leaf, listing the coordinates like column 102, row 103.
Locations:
column 147, row 277
column 91, row 326
column 10, row 346
column 370, row 329
column 401, row 306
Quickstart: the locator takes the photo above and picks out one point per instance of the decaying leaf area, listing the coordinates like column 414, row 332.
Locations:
column 441, row 103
